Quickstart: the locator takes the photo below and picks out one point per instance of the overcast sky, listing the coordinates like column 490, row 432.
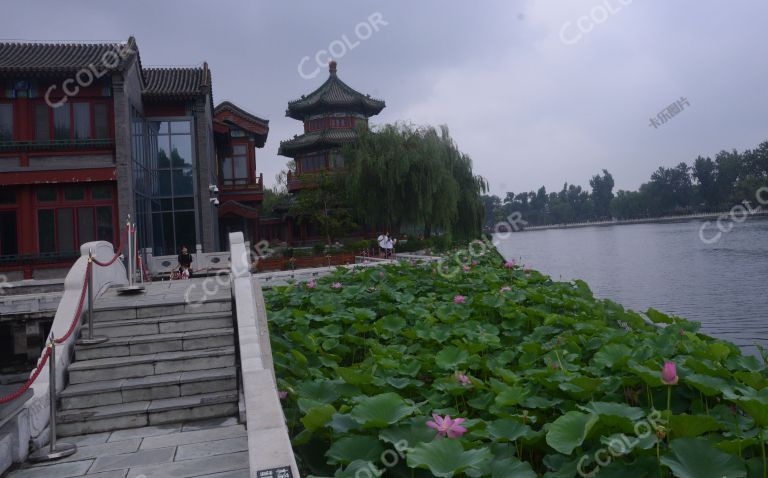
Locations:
column 537, row 92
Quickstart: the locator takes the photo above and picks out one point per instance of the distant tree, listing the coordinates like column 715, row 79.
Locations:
column 602, row 193
column 704, row 172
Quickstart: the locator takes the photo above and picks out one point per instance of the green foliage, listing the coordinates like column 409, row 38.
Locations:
column 549, row 375
column 402, row 175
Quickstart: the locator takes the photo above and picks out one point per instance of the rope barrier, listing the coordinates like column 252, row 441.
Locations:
column 75, row 321
column 119, row 251
column 88, row 272
column 32, row 378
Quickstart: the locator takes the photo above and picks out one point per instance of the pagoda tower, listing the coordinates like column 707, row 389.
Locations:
column 331, row 115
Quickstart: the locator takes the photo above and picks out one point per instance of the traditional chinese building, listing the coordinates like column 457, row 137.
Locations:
column 237, row 134
column 88, row 135
column 330, row 115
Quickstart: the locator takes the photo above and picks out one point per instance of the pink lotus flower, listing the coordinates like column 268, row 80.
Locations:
column 467, row 268
column 337, row 285
column 506, row 289
column 474, row 263
column 282, row 394
column 311, row 284
column 510, row 264
column 381, row 274
column 463, row 379
column 447, row 427
column 669, row 373
column 459, row 299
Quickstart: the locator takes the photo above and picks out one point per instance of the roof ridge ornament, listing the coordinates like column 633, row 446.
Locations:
column 332, row 67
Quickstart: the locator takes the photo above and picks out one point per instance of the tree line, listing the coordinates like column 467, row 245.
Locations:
column 707, row 185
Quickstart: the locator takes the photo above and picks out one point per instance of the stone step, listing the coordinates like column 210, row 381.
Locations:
column 172, row 307
column 155, row 387
column 148, row 344
column 164, row 325
column 138, row 366
column 146, row 413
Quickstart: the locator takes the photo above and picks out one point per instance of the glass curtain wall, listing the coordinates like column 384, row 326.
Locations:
column 173, row 199
column 144, row 152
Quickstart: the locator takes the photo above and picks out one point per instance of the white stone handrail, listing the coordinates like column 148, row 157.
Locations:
column 31, row 423
column 269, row 445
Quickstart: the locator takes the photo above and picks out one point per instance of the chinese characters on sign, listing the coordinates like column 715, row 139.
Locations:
column 669, row 112
column 282, row 472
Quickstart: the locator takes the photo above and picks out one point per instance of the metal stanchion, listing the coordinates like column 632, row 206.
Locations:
column 55, row 450
column 91, row 339
column 131, row 288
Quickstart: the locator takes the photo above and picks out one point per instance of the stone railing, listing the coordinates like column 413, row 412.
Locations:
column 269, row 445
column 202, row 263
column 29, row 421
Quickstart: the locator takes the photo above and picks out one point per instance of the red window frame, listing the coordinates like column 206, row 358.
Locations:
column 92, row 112
column 249, row 158
column 75, row 205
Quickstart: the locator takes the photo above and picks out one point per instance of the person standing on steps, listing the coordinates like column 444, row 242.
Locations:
column 185, row 262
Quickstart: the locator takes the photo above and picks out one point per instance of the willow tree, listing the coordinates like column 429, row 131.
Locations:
column 400, row 174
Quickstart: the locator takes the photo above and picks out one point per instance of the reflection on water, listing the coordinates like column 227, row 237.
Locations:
column 666, row 266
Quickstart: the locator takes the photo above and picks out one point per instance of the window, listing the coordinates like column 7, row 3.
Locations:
column 66, row 229
column 235, row 168
column 101, row 192
column 6, row 122
column 7, row 195
column 315, row 124
column 9, row 241
column 46, row 194
column 74, row 193
column 341, row 122
column 46, row 230
column 42, row 123
column 316, row 162
column 72, row 121
column 85, row 229
column 100, row 121
column 62, row 122
column 82, row 117
column 337, row 161
column 104, row 228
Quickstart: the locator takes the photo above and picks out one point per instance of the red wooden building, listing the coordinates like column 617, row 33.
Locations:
column 330, row 115
column 88, row 135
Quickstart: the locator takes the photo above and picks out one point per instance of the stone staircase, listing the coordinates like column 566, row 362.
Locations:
column 164, row 363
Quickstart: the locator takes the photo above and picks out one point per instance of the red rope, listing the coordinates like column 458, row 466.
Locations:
column 75, row 321
column 119, row 251
column 32, row 378
column 88, row 272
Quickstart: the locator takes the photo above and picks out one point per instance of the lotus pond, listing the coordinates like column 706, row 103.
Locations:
column 502, row 372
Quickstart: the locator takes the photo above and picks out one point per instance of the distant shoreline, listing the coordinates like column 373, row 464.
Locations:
column 650, row 220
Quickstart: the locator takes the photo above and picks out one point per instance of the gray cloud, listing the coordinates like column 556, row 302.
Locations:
column 528, row 108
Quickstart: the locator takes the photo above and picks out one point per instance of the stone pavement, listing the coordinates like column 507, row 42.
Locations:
column 215, row 448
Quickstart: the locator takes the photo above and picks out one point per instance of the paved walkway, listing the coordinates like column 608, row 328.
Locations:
column 216, row 448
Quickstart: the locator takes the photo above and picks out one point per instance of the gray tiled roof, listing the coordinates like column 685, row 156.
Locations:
column 310, row 141
column 229, row 106
column 176, row 82
column 16, row 57
column 334, row 96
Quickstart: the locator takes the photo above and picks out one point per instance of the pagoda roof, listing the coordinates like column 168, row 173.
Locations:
column 334, row 96
column 316, row 140
column 41, row 59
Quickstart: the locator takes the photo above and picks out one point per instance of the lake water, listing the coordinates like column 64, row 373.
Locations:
column 723, row 285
